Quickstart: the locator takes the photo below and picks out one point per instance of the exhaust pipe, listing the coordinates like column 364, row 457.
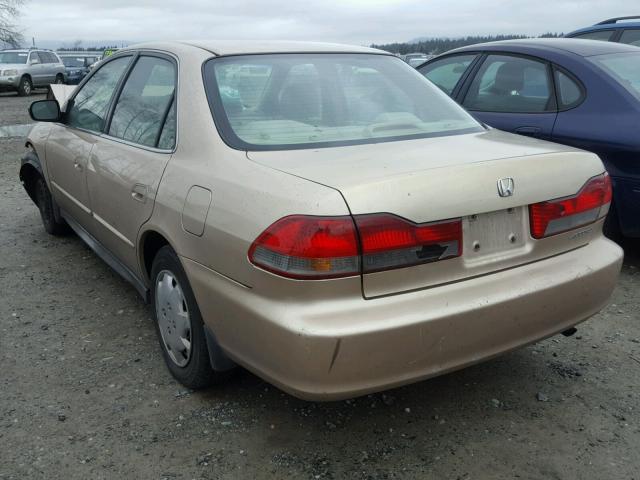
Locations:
column 570, row 331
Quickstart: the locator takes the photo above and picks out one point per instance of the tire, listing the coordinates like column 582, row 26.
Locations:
column 172, row 299
column 59, row 80
column 611, row 227
column 45, row 204
column 26, row 87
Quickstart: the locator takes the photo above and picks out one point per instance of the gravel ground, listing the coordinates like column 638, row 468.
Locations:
column 85, row 394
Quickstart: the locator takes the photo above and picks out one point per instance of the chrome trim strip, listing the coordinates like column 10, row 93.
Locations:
column 113, row 230
column 71, row 197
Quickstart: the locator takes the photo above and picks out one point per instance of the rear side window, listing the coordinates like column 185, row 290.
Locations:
column 446, row 73
column 604, row 35
column 631, row 37
column 511, row 84
column 145, row 101
column 89, row 107
column 569, row 92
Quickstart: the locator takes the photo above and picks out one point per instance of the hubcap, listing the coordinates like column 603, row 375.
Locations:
column 27, row 87
column 173, row 318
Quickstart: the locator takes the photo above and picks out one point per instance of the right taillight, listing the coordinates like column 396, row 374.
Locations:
column 561, row 215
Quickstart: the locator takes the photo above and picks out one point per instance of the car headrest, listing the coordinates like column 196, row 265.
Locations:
column 509, row 78
column 300, row 102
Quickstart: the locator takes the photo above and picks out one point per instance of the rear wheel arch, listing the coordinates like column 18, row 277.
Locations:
column 151, row 242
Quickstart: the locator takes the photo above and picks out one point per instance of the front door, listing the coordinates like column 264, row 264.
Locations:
column 126, row 165
column 514, row 94
column 71, row 143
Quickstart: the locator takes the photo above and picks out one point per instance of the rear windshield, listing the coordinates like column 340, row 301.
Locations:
column 624, row 67
column 13, row 57
column 285, row 101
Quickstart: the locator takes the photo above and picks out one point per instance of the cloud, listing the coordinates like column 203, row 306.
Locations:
column 347, row 21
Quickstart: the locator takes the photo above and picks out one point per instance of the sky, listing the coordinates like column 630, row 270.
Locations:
column 361, row 22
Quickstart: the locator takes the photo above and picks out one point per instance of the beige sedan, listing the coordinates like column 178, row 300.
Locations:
column 321, row 215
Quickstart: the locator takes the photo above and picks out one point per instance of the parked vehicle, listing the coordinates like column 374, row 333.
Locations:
column 336, row 241
column 77, row 65
column 580, row 93
column 619, row 29
column 23, row 70
column 415, row 59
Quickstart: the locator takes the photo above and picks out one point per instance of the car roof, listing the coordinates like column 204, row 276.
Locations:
column 620, row 23
column 243, row 47
column 583, row 48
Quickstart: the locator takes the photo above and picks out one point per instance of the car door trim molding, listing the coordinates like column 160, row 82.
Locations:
column 72, row 198
column 112, row 229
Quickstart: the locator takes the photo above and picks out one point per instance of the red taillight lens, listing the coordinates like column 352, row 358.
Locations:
column 308, row 247
column 389, row 241
column 558, row 216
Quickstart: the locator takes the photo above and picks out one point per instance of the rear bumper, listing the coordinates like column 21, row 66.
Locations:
column 329, row 350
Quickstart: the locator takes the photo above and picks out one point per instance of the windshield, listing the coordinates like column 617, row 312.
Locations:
column 624, row 67
column 73, row 61
column 284, row 101
column 13, row 57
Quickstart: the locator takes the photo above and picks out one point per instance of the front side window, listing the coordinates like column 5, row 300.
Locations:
column 624, row 68
column 13, row 57
column 511, row 84
column 145, row 101
column 283, row 101
column 631, row 37
column 446, row 73
column 604, row 35
column 89, row 107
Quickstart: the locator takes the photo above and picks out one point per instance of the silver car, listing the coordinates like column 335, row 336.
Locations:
column 23, row 70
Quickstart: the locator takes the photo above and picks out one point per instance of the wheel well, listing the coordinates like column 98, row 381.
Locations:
column 29, row 176
column 27, row 76
column 151, row 244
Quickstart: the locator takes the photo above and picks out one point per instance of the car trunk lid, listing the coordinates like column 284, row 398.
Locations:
column 455, row 177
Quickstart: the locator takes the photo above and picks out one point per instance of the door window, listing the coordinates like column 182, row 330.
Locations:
column 446, row 73
column 35, row 57
column 145, row 101
column 506, row 83
column 631, row 37
column 89, row 107
column 168, row 136
column 604, row 35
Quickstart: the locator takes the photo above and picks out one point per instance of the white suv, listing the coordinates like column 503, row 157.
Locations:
column 23, row 70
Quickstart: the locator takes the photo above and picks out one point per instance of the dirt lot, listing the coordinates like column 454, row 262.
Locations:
column 84, row 392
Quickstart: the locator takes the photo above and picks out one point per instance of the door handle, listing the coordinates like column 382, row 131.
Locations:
column 530, row 131
column 139, row 192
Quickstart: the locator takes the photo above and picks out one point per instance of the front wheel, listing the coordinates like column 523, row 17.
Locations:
column 179, row 323
column 44, row 201
column 25, row 87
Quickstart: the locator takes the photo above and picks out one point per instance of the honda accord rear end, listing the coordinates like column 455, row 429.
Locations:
column 366, row 232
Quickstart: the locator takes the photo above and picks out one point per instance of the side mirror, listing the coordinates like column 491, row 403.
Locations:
column 45, row 111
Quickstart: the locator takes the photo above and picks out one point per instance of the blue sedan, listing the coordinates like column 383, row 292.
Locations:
column 582, row 93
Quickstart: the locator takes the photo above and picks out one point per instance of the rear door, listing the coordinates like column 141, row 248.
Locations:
column 513, row 93
column 127, row 163
column 37, row 68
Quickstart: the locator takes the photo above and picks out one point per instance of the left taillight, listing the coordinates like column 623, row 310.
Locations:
column 308, row 247
column 561, row 215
